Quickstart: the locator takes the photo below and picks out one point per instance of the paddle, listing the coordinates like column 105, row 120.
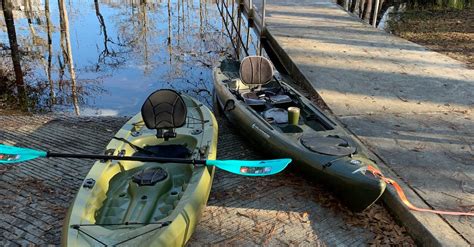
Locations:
column 11, row 155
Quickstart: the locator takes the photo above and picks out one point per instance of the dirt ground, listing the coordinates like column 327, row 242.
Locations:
column 450, row 32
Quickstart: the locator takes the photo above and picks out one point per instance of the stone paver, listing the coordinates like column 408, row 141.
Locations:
column 35, row 195
column 412, row 107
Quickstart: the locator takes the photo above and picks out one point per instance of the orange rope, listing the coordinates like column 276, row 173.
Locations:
column 404, row 199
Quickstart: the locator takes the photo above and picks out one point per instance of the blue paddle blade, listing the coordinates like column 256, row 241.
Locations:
column 251, row 167
column 10, row 154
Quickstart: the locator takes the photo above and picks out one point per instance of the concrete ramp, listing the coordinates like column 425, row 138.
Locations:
column 410, row 106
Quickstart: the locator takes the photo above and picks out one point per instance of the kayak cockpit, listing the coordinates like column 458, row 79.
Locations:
column 271, row 99
column 146, row 194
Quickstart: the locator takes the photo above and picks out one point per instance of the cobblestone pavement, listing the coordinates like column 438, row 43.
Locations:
column 285, row 209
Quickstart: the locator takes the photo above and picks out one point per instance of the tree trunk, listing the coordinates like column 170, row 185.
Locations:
column 367, row 10
column 50, row 52
column 143, row 16
column 353, row 6
column 376, row 11
column 361, row 8
column 67, row 52
column 170, row 45
column 200, row 19
column 340, row 2
column 15, row 53
column 344, row 4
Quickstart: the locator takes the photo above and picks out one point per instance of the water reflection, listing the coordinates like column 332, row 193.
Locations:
column 102, row 57
column 19, row 89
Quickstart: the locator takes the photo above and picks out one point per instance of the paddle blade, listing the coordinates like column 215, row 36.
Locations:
column 10, row 154
column 251, row 167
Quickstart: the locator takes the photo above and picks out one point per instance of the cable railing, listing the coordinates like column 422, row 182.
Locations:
column 239, row 17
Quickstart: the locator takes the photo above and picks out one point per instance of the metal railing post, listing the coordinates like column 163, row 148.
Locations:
column 249, row 21
column 233, row 17
column 239, row 19
column 262, row 28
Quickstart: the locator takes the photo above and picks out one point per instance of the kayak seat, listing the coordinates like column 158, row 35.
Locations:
column 256, row 70
column 164, row 110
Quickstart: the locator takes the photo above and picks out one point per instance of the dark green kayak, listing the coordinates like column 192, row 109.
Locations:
column 258, row 103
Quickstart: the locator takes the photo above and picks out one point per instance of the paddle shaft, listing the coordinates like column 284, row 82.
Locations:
column 135, row 158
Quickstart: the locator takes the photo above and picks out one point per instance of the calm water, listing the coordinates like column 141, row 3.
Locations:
column 119, row 51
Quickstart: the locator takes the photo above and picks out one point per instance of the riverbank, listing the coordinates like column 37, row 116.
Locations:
column 450, row 32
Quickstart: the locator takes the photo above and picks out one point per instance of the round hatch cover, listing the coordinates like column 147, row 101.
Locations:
column 149, row 177
column 331, row 145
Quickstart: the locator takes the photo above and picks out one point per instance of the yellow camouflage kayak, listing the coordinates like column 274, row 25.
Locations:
column 133, row 203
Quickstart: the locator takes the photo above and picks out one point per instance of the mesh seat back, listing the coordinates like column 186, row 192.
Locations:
column 256, row 70
column 164, row 109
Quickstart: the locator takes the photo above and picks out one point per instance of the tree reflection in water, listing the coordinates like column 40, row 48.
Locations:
column 106, row 56
column 15, row 57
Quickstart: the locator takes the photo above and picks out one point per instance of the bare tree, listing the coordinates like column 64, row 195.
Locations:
column 367, row 10
column 50, row 52
column 15, row 53
column 67, row 52
column 170, row 46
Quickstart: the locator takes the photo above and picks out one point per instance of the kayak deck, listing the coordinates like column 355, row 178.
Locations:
column 146, row 203
column 129, row 202
column 317, row 144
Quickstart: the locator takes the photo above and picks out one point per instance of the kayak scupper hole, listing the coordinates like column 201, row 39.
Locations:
column 174, row 193
column 144, row 197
